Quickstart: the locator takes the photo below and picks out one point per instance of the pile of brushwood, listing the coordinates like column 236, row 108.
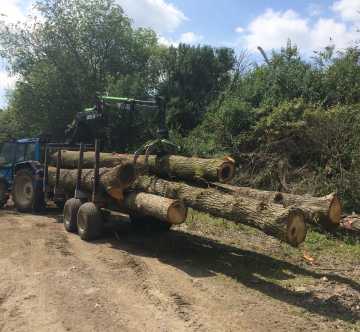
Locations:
column 162, row 188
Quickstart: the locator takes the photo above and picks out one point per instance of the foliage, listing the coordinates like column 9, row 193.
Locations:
column 71, row 54
column 292, row 111
column 193, row 77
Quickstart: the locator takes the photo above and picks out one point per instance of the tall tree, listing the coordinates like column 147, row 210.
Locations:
column 194, row 76
column 76, row 49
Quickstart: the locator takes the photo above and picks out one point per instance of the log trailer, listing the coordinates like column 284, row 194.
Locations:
column 26, row 175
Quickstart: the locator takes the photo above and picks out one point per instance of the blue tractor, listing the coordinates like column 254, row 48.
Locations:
column 21, row 174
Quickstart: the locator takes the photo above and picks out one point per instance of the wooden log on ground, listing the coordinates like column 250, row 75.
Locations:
column 286, row 224
column 172, row 166
column 165, row 209
column 113, row 181
column 351, row 225
column 325, row 210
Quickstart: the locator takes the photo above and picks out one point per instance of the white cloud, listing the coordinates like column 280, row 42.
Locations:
column 349, row 10
column 190, row 38
column 160, row 15
column 7, row 81
column 315, row 9
column 186, row 38
column 239, row 29
column 11, row 11
column 272, row 29
column 328, row 31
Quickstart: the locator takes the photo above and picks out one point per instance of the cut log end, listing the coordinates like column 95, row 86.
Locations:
column 335, row 211
column 177, row 213
column 226, row 172
column 296, row 228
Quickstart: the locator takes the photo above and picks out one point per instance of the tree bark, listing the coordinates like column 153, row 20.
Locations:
column 325, row 210
column 112, row 180
column 185, row 168
column 286, row 224
column 168, row 210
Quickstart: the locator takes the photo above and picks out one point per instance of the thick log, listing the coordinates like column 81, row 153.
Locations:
column 325, row 210
column 171, row 166
column 112, row 180
column 168, row 210
column 286, row 224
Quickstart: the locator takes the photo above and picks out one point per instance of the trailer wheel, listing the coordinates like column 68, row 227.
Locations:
column 70, row 212
column 26, row 196
column 89, row 222
column 149, row 224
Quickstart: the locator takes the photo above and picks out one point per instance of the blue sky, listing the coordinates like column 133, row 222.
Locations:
column 312, row 25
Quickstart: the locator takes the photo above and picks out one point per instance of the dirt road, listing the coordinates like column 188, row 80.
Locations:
column 179, row 281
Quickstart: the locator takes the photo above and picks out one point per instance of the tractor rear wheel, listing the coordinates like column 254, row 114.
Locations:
column 25, row 194
column 4, row 193
column 70, row 212
column 90, row 222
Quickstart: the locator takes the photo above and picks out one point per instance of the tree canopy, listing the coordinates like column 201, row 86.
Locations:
column 294, row 108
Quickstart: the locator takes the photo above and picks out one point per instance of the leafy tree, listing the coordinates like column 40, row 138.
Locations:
column 192, row 78
column 77, row 49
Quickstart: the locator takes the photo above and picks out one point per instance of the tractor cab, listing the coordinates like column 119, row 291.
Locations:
column 13, row 156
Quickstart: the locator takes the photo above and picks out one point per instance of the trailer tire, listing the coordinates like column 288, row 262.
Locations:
column 90, row 222
column 70, row 212
column 26, row 196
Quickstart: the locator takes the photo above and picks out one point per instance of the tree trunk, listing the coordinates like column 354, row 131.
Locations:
column 185, row 168
column 112, row 180
column 168, row 210
column 286, row 224
column 325, row 211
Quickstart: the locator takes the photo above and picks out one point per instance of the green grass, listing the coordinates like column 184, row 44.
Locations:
column 320, row 243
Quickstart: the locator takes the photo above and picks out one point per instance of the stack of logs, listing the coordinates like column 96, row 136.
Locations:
column 163, row 188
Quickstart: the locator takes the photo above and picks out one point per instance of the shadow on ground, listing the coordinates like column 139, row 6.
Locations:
column 201, row 257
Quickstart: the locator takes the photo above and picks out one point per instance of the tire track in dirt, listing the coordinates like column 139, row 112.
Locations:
column 136, row 277
column 50, row 280
column 157, row 287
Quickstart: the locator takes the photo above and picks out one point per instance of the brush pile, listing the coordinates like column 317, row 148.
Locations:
column 162, row 188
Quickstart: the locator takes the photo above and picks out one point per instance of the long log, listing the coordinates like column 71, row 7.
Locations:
column 286, row 224
column 325, row 210
column 168, row 210
column 113, row 181
column 171, row 166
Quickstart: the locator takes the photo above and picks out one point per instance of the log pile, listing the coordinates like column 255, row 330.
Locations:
column 178, row 167
column 164, row 187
